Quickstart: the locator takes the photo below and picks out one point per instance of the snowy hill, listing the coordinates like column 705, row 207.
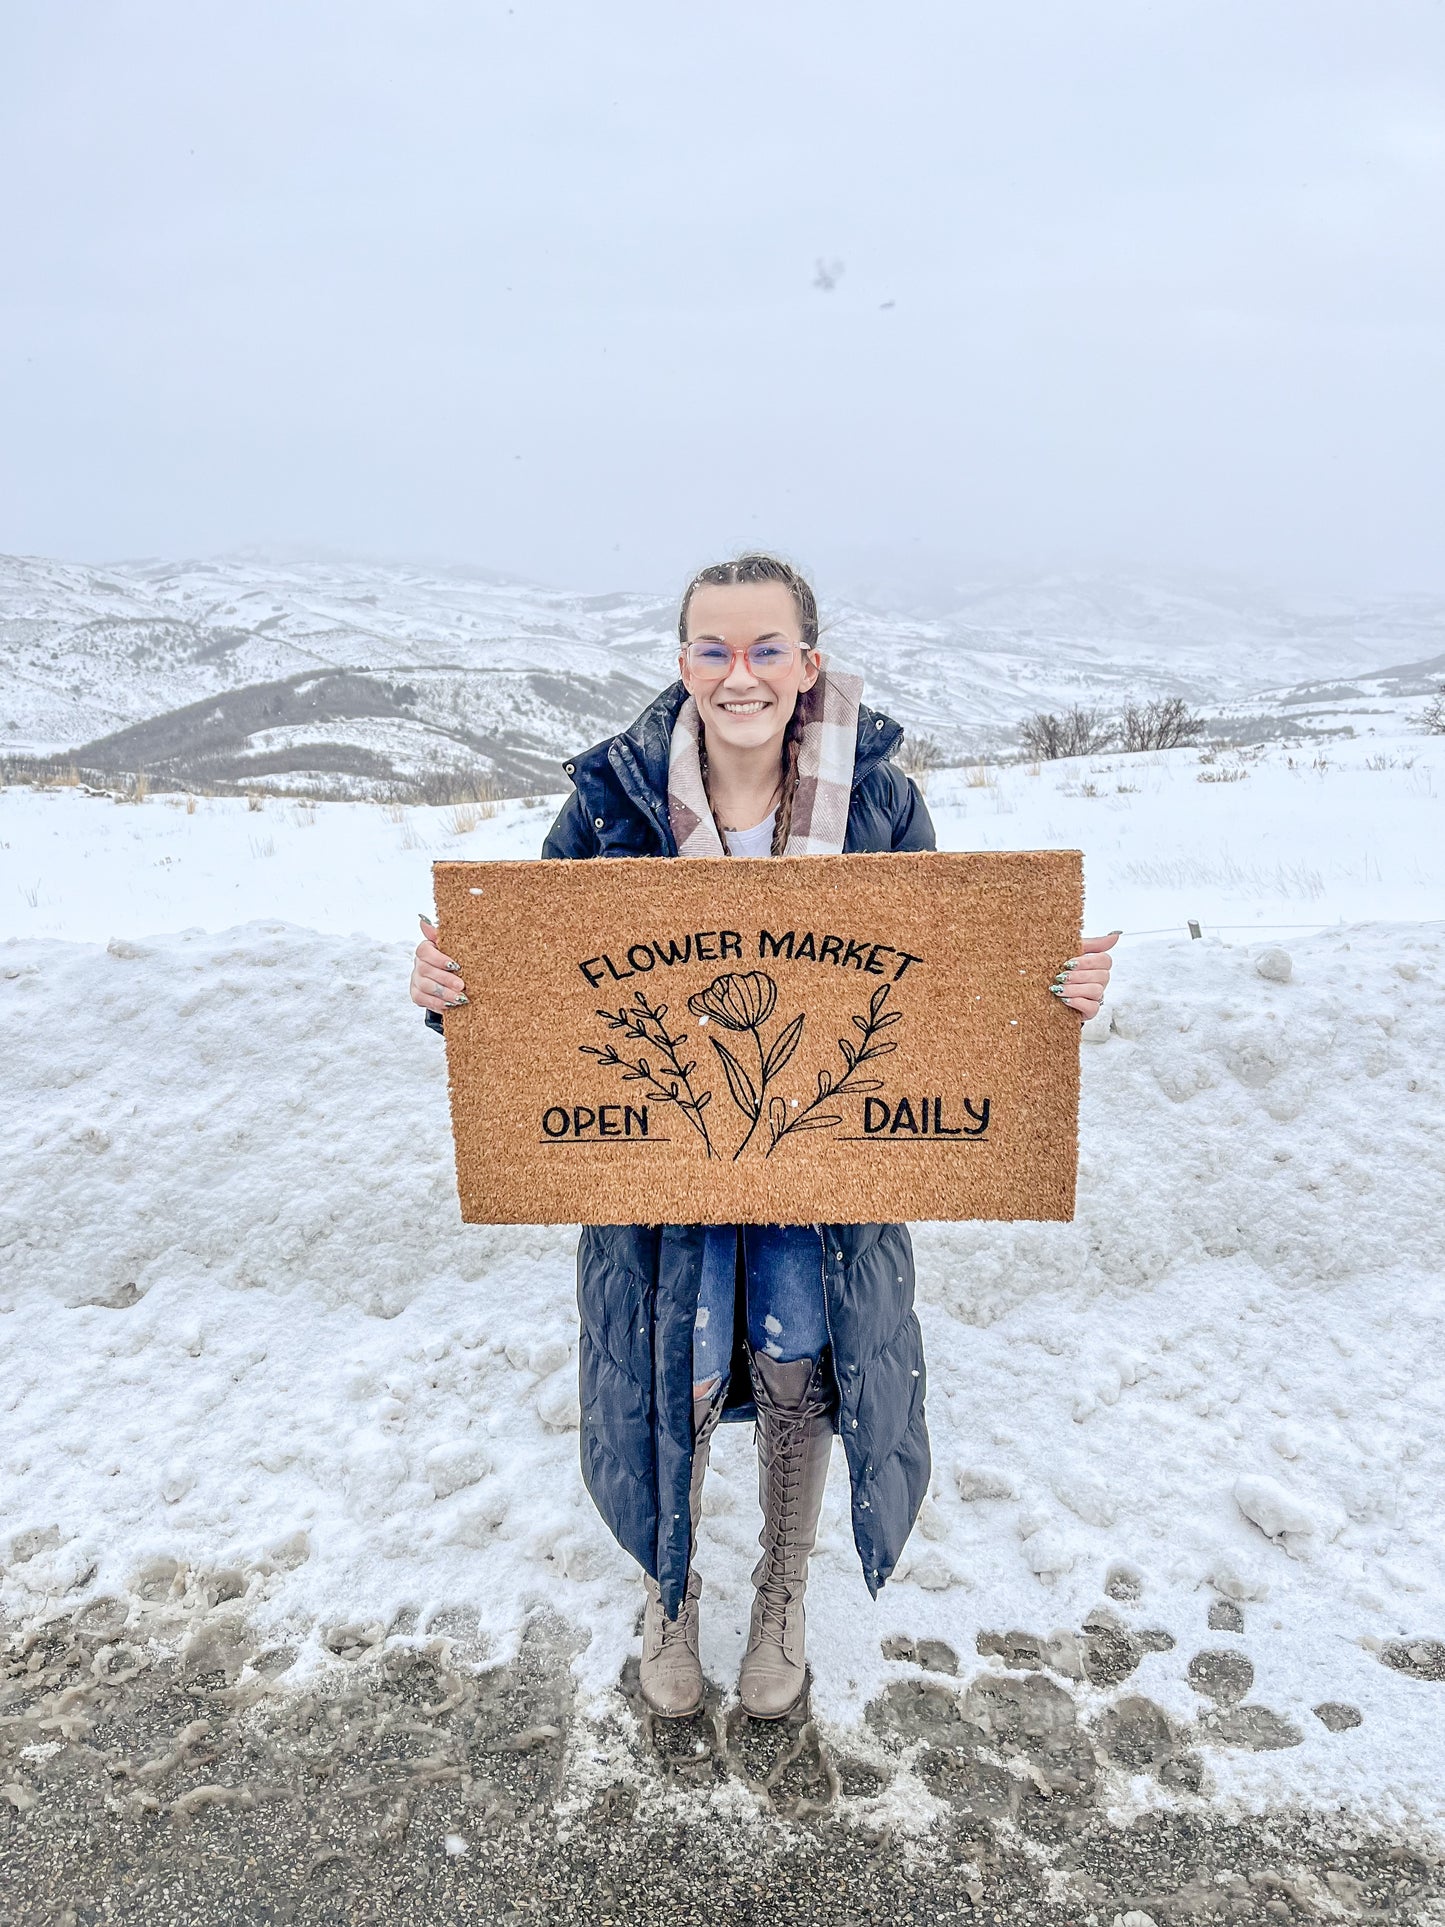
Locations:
column 359, row 678
column 1362, row 703
column 264, row 669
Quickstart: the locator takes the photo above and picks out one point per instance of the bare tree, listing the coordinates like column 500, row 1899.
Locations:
column 1087, row 731
column 1165, row 722
column 1432, row 716
column 1043, row 737
column 1077, row 732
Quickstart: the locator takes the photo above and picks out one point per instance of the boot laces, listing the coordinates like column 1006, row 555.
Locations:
column 674, row 1631
column 785, row 1467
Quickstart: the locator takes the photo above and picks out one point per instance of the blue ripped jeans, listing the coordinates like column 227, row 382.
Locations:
column 787, row 1318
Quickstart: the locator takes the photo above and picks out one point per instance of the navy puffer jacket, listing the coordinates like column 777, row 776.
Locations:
column 637, row 1285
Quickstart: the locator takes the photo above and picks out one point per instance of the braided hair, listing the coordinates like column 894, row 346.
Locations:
column 763, row 568
column 792, row 746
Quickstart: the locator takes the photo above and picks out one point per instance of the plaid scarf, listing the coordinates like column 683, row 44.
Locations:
column 825, row 774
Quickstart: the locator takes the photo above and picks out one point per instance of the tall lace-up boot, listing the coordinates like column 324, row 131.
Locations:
column 795, row 1435
column 671, row 1673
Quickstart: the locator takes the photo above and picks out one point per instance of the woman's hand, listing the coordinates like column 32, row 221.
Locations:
column 436, row 982
column 1082, row 981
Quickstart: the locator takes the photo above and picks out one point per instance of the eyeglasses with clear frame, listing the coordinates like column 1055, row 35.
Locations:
column 773, row 656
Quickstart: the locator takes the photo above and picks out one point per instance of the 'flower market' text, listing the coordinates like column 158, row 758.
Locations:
column 717, row 946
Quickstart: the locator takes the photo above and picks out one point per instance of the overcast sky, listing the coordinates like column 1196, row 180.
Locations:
column 535, row 285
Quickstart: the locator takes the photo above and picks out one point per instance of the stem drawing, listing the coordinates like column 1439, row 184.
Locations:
column 742, row 1002
column 855, row 1056
column 671, row 1081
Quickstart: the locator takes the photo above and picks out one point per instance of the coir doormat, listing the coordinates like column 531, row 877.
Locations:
column 787, row 1040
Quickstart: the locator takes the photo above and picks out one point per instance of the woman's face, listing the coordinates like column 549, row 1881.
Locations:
column 744, row 708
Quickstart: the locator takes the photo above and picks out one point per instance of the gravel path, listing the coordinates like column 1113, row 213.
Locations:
column 148, row 1785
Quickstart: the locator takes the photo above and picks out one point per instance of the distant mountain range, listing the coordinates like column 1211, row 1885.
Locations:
column 357, row 678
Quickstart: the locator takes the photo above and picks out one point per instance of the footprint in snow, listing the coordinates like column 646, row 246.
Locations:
column 1225, row 1617
column 1417, row 1658
column 1338, row 1716
column 933, row 1655
column 1255, row 1729
column 1221, row 1677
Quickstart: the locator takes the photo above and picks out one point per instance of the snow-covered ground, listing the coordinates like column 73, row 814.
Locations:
column 242, row 1327
column 1259, row 839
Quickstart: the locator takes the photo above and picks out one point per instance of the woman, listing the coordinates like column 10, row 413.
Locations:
column 757, row 750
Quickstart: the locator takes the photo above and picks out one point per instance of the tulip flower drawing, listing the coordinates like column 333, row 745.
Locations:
column 742, row 1002
column 736, row 1001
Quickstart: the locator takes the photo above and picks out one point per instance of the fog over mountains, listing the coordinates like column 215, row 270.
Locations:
column 366, row 678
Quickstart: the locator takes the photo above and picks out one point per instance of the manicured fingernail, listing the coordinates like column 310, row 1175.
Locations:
column 1057, row 989
column 1116, row 933
column 457, row 1000
column 452, row 966
column 423, row 915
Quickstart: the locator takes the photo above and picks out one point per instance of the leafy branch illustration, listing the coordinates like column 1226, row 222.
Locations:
column 742, row 1002
column 670, row 1082
column 870, row 1047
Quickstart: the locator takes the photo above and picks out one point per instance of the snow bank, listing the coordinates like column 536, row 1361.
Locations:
column 242, row 1327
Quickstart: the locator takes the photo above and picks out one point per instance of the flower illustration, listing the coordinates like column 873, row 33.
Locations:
column 737, row 1001
column 743, row 1002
